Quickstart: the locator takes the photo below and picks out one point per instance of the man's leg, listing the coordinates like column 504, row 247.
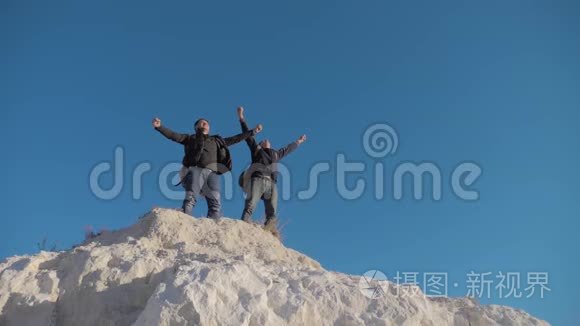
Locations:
column 271, row 205
column 192, row 189
column 211, row 191
column 252, row 199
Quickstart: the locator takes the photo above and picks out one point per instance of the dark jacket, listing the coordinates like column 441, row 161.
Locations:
column 206, row 151
column 264, row 159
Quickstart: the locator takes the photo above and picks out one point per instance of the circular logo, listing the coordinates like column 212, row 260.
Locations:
column 380, row 140
column 373, row 284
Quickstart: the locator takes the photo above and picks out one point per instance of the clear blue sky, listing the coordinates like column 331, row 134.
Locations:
column 493, row 82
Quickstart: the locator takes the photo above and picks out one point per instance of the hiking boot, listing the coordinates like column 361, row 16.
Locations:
column 271, row 226
column 215, row 218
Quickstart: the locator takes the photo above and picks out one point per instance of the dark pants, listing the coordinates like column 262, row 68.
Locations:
column 261, row 188
column 201, row 181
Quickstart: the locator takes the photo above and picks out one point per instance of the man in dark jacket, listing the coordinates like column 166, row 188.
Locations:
column 259, row 181
column 206, row 157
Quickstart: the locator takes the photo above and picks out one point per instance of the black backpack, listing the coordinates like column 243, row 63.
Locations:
column 224, row 158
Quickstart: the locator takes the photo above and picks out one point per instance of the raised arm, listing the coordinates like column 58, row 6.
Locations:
column 251, row 141
column 243, row 136
column 168, row 133
column 290, row 147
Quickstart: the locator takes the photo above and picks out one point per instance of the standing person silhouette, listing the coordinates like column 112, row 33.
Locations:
column 261, row 182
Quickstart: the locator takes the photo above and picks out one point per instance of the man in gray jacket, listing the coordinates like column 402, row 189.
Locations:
column 260, row 183
column 206, row 157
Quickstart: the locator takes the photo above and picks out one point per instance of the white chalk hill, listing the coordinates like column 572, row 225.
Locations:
column 172, row 269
